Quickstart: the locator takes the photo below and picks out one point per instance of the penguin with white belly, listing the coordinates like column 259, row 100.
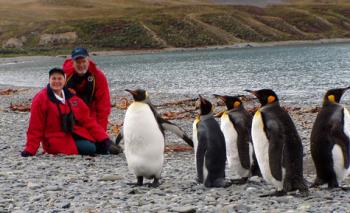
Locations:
column 210, row 149
column 143, row 135
column 277, row 145
column 236, row 125
column 330, row 140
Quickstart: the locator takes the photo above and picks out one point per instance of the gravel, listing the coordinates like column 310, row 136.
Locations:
column 47, row 183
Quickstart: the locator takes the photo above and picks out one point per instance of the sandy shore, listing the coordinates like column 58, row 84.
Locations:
column 47, row 183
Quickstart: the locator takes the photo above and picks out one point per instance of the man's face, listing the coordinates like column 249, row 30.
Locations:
column 81, row 65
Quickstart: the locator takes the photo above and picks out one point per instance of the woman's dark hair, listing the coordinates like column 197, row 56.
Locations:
column 56, row 70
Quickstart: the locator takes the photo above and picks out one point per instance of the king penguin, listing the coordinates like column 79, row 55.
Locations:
column 277, row 145
column 210, row 149
column 236, row 125
column 143, row 135
column 330, row 140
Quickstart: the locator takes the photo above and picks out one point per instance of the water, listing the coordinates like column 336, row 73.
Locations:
column 299, row 74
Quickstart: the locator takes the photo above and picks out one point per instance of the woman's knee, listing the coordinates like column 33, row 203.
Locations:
column 85, row 147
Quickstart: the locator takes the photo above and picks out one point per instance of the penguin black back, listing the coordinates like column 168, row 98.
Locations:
column 241, row 120
column 329, row 130
column 285, row 149
column 211, row 150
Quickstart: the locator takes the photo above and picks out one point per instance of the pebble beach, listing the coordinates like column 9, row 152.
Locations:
column 48, row 183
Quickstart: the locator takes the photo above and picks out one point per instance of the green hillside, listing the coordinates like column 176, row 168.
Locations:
column 55, row 26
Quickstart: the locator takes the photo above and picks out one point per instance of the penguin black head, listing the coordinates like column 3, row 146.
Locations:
column 205, row 106
column 265, row 96
column 334, row 95
column 231, row 102
column 138, row 95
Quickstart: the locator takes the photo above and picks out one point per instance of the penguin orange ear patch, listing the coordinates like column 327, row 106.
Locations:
column 331, row 98
column 271, row 99
column 197, row 120
column 236, row 104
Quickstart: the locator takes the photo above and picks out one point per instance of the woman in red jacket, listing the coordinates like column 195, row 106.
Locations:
column 62, row 123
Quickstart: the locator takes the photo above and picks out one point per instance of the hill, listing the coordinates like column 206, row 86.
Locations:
column 56, row 26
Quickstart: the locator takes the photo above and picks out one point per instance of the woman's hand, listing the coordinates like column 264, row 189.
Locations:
column 26, row 154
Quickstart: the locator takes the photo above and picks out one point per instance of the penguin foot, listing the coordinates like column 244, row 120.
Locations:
column 345, row 188
column 302, row 194
column 318, row 182
column 332, row 186
column 199, row 180
column 134, row 184
column 115, row 149
column 155, row 183
column 152, row 185
column 240, row 181
column 274, row 194
column 139, row 181
column 219, row 183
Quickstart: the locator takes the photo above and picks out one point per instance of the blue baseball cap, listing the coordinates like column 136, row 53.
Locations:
column 79, row 52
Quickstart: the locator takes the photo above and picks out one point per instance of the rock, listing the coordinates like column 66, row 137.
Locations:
column 251, row 189
column 65, row 205
column 109, row 178
column 241, row 208
column 255, row 179
column 4, row 174
column 133, row 191
column 185, row 209
column 227, row 208
column 33, row 186
column 14, row 42
column 284, row 199
column 304, row 207
column 56, row 39
column 36, row 198
column 54, row 188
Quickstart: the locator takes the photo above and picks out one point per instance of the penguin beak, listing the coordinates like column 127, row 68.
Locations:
column 200, row 98
column 132, row 92
column 346, row 88
column 252, row 92
column 223, row 98
column 201, row 101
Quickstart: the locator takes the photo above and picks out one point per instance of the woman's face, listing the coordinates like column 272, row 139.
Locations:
column 57, row 82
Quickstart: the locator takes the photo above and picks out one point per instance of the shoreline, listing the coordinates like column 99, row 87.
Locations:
column 175, row 49
column 234, row 46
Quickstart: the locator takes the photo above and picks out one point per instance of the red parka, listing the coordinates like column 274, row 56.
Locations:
column 100, row 105
column 45, row 124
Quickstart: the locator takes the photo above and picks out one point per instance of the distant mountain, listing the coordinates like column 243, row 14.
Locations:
column 249, row 2
column 56, row 26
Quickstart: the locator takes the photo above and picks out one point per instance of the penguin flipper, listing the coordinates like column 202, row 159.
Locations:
column 200, row 155
column 242, row 142
column 339, row 138
column 167, row 125
column 275, row 137
column 119, row 137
